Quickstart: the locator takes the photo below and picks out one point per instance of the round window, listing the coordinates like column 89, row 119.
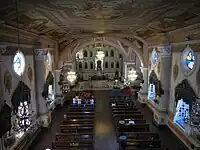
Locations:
column 188, row 61
column 19, row 63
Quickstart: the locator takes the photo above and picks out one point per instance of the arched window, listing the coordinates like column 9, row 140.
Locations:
column 91, row 54
column 117, row 65
column 85, row 54
column 86, row 66
column 112, row 65
column 106, row 54
column 106, row 64
column 112, row 53
column 120, row 55
column 80, row 65
column 91, row 65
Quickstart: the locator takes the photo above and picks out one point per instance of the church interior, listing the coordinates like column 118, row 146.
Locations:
column 100, row 75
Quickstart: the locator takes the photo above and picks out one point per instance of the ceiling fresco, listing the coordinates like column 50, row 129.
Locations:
column 73, row 18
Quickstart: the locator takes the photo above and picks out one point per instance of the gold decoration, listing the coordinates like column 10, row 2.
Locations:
column 158, row 67
column 198, row 80
column 30, row 74
column 7, row 81
column 175, row 71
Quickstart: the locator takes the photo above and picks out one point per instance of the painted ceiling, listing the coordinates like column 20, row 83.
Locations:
column 74, row 18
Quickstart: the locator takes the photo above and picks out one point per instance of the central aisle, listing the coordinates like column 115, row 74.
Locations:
column 105, row 138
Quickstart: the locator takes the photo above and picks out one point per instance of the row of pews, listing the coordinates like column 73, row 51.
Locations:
column 76, row 129
column 132, row 130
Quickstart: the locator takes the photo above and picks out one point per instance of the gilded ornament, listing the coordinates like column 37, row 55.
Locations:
column 7, row 81
column 198, row 80
column 30, row 74
column 175, row 71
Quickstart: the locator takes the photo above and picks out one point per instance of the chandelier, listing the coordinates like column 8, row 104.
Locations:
column 100, row 55
column 71, row 76
column 132, row 75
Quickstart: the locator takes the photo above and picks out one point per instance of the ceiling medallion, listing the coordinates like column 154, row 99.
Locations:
column 188, row 61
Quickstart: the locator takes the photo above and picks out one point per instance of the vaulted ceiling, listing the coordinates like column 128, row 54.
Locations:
column 71, row 19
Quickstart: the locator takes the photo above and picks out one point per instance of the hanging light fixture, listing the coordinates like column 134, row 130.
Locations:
column 132, row 75
column 71, row 76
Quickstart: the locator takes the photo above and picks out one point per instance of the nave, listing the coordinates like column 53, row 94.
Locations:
column 107, row 128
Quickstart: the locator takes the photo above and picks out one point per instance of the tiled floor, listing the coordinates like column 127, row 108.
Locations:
column 104, row 132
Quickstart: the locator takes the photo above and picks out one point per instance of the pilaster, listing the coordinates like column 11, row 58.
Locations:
column 161, row 109
column 42, row 109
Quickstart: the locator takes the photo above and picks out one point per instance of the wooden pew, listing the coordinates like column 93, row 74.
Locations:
column 137, row 144
column 80, row 116
column 126, row 112
column 71, row 136
column 77, row 125
column 80, row 113
column 122, row 116
column 133, row 128
column 124, row 108
column 137, row 121
column 67, row 129
column 80, row 121
column 131, row 136
column 80, row 110
column 72, row 144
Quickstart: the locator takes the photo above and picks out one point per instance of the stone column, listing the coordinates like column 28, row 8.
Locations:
column 160, row 111
column 2, row 147
column 165, row 74
column 39, row 68
column 142, row 94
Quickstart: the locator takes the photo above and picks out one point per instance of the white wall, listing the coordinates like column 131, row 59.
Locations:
column 7, row 66
column 176, row 56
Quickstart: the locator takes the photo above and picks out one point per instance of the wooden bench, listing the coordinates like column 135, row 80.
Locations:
column 77, row 125
column 80, row 113
column 80, row 122
column 136, row 121
column 140, row 135
column 80, row 110
column 71, row 136
column 80, row 116
column 67, row 129
column 124, row 108
column 126, row 112
column 71, row 144
column 133, row 128
column 143, row 144
column 122, row 116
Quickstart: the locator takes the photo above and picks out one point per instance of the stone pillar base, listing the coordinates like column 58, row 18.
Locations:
column 159, row 115
column 44, row 120
column 142, row 98
column 160, row 118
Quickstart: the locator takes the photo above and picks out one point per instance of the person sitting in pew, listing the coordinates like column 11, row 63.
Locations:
column 92, row 100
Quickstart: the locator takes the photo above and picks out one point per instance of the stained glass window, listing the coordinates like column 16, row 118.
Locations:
column 154, row 57
column 19, row 63
column 190, row 59
column 48, row 59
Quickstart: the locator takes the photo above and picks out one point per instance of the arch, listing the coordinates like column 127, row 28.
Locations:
column 68, row 53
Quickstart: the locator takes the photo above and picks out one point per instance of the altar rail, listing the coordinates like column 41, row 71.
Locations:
column 94, row 85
